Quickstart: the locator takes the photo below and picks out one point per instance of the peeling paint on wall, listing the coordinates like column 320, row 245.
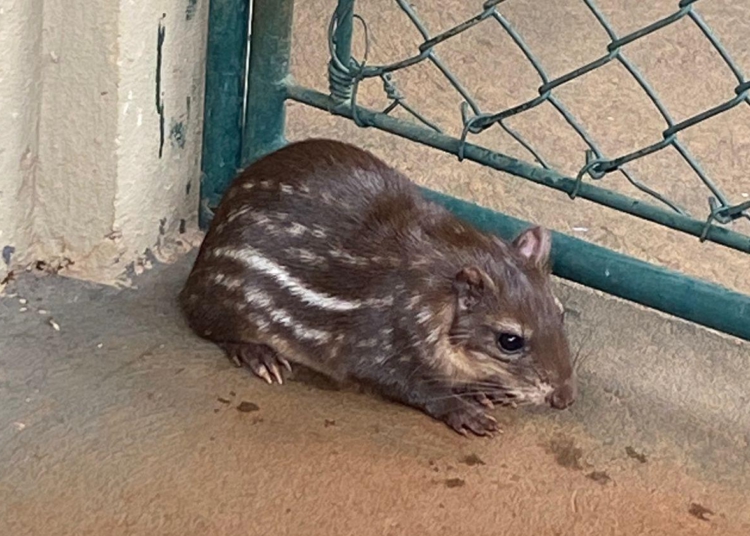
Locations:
column 177, row 134
column 118, row 194
column 192, row 8
column 161, row 36
column 8, row 252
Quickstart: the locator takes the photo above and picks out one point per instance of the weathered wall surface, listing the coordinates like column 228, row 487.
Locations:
column 160, row 129
column 100, row 159
column 20, row 99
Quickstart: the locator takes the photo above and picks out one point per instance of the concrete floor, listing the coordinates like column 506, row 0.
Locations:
column 122, row 422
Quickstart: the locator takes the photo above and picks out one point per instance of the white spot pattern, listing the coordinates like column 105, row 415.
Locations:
column 252, row 258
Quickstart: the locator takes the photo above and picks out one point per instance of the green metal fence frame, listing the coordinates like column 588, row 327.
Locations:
column 231, row 144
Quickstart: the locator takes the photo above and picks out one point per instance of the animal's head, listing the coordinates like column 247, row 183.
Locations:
column 508, row 327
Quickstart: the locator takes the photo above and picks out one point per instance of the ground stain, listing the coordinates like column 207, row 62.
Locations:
column 566, row 453
column 634, row 454
column 8, row 278
column 329, row 422
column 600, row 477
column 472, row 460
column 454, row 482
column 699, row 511
column 247, row 407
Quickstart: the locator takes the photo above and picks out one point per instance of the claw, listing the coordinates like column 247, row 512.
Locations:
column 486, row 402
column 262, row 371
column 275, row 372
column 260, row 358
column 284, row 362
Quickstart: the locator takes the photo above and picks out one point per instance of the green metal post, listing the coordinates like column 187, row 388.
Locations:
column 620, row 275
column 338, row 68
column 270, row 47
column 225, row 84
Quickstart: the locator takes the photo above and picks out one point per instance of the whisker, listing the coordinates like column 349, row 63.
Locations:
column 577, row 358
column 418, row 369
column 499, row 400
column 537, row 374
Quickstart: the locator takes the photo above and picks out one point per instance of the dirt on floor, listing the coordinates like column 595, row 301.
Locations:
column 115, row 419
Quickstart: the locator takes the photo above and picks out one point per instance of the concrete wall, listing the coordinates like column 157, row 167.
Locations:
column 100, row 132
column 20, row 100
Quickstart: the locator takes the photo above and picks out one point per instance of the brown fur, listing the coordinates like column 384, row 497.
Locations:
column 337, row 262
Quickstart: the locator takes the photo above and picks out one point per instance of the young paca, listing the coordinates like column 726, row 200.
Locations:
column 321, row 254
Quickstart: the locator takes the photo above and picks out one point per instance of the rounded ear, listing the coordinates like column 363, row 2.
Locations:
column 469, row 285
column 534, row 245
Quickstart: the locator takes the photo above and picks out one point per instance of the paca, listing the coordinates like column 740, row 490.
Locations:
column 323, row 255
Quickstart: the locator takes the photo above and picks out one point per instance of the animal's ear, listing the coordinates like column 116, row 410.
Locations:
column 470, row 284
column 534, row 245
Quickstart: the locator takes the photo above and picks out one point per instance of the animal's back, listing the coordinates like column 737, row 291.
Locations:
column 313, row 234
column 322, row 254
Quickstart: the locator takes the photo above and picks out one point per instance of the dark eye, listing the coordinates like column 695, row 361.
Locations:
column 510, row 342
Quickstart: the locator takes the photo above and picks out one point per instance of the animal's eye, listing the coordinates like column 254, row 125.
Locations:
column 510, row 342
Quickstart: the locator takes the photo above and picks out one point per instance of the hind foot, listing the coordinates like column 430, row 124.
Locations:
column 261, row 358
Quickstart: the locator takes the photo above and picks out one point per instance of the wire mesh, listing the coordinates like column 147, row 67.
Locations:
column 346, row 76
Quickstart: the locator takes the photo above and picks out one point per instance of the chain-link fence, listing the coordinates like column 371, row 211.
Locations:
column 236, row 135
column 346, row 73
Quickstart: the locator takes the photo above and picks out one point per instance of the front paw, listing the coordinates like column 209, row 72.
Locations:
column 471, row 418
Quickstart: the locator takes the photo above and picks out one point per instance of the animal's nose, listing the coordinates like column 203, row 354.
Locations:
column 563, row 397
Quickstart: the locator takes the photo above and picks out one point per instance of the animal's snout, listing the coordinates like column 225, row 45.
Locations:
column 563, row 397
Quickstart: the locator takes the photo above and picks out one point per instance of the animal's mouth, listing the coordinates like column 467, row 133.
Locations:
column 557, row 397
column 563, row 397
